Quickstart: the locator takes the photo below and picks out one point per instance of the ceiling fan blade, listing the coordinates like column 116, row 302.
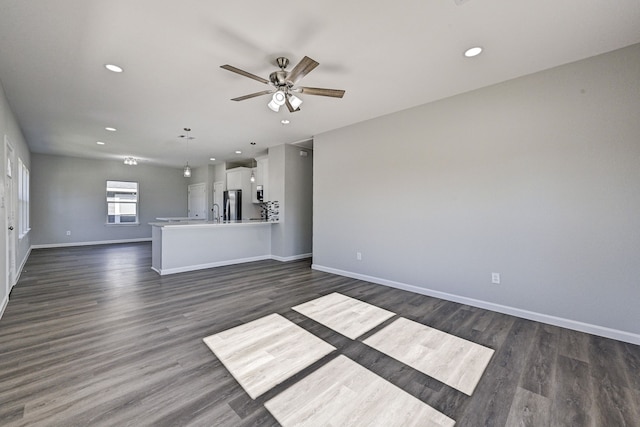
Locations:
column 244, row 73
column 252, row 95
column 304, row 67
column 335, row 93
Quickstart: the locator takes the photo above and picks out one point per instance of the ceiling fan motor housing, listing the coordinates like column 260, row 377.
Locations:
column 279, row 79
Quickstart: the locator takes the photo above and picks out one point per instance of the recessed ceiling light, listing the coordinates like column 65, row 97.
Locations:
column 473, row 51
column 285, row 121
column 213, row 159
column 238, row 152
column 110, row 129
column 114, row 68
column 99, row 142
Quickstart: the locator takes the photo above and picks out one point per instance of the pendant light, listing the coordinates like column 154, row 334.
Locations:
column 253, row 177
column 187, row 169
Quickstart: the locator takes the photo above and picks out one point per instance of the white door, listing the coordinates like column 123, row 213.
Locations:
column 216, row 208
column 9, row 204
column 197, row 201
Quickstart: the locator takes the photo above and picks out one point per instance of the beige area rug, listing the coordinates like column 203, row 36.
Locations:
column 343, row 393
column 265, row 352
column 454, row 361
column 343, row 314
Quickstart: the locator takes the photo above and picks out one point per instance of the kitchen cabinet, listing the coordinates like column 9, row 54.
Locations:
column 262, row 178
column 255, row 185
column 240, row 179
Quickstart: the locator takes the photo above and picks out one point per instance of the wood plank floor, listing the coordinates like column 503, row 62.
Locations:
column 93, row 337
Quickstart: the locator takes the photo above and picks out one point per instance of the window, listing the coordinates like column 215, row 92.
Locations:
column 122, row 202
column 23, row 199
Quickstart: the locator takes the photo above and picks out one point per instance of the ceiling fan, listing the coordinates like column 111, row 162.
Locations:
column 284, row 84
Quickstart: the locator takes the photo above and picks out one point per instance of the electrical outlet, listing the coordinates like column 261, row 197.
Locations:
column 495, row 278
column 359, row 256
column 68, row 232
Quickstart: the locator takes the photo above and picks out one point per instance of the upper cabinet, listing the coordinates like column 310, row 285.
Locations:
column 262, row 179
column 238, row 179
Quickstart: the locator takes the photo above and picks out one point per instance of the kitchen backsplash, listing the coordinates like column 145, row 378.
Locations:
column 270, row 211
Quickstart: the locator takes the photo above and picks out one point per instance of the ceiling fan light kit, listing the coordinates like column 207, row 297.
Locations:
column 295, row 101
column 284, row 83
column 277, row 100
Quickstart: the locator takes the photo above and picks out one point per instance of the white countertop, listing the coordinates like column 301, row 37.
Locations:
column 201, row 223
column 180, row 218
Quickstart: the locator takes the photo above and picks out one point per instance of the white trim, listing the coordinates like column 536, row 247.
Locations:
column 513, row 311
column 100, row 242
column 5, row 302
column 22, row 264
column 290, row 258
column 165, row 271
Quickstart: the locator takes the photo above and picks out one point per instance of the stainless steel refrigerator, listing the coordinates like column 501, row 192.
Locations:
column 232, row 205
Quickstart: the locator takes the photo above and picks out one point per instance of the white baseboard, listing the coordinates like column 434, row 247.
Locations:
column 5, row 302
column 291, row 258
column 165, row 271
column 19, row 272
column 513, row 311
column 99, row 242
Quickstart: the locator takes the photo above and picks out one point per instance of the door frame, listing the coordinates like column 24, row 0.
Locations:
column 197, row 187
column 9, row 202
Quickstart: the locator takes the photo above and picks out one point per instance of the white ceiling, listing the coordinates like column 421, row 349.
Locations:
column 388, row 56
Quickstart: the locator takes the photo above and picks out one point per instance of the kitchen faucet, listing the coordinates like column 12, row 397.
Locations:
column 216, row 218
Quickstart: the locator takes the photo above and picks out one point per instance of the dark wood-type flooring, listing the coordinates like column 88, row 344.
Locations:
column 93, row 337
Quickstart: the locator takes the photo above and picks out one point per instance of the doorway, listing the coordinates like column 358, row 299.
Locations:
column 197, row 201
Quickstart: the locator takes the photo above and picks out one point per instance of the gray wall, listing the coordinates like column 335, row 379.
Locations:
column 291, row 184
column 69, row 194
column 276, row 193
column 537, row 179
column 298, row 205
column 9, row 128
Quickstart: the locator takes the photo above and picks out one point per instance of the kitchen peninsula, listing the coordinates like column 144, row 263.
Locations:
column 283, row 231
column 195, row 245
